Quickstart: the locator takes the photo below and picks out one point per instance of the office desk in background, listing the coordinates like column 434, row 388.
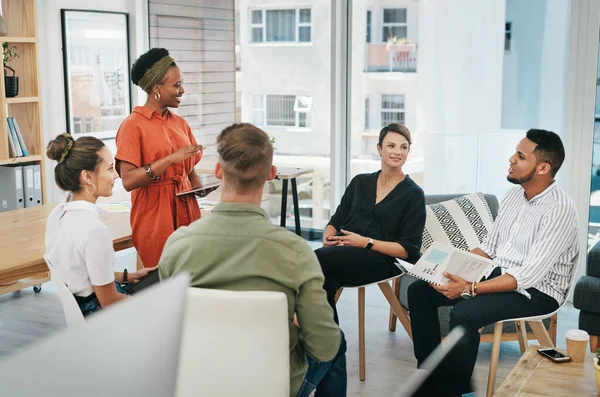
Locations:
column 22, row 244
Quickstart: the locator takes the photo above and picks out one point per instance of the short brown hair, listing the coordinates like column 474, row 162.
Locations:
column 73, row 156
column 397, row 128
column 246, row 155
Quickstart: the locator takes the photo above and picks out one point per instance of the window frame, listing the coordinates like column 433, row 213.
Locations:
column 369, row 26
column 261, row 25
column 264, row 26
column 392, row 24
column 507, row 36
column 393, row 110
column 297, row 121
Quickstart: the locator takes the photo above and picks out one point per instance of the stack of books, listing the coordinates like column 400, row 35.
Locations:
column 16, row 144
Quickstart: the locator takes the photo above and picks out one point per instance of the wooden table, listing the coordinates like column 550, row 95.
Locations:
column 22, row 244
column 535, row 375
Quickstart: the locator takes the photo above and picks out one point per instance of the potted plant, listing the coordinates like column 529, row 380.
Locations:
column 11, row 83
column 597, row 366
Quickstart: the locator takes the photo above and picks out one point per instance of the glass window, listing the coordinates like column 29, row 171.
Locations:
column 507, row 35
column 394, row 24
column 305, row 15
column 258, row 109
column 368, row 26
column 257, row 17
column 281, row 25
column 304, row 28
column 257, row 27
column 280, row 110
column 392, row 109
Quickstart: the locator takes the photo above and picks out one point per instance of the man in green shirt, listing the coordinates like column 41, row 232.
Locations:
column 237, row 247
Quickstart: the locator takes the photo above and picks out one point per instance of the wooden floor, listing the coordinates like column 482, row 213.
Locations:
column 26, row 317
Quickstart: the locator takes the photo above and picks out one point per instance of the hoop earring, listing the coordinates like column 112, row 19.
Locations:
column 93, row 192
column 157, row 96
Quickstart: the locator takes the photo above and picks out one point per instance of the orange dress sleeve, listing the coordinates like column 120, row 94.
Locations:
column 129, row 143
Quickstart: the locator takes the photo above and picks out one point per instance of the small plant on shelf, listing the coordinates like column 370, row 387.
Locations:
column 11, row 83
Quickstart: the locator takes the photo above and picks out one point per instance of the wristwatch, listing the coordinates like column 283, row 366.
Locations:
column 150, row 173
column 369, row 244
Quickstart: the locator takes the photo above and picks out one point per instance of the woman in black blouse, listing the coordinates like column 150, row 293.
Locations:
column 381, row 217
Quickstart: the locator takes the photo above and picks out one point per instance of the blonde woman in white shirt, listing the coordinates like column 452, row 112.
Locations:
column 78, row 244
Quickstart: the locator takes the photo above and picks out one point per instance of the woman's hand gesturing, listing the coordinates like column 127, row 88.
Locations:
column 350, row 239
column 186, row 152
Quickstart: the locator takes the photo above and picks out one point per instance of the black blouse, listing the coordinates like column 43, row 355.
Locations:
column 399, row 217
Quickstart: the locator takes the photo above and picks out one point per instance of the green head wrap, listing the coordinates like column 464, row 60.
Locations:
column 155, row 74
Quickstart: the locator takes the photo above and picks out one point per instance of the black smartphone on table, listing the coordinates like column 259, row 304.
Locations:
column 554, row 355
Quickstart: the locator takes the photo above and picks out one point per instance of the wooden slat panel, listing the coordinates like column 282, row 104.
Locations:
column 208, row 77
column 206, row 98
column 219, row 4
column 200, row 36
column 209, row 88
column 191, row 12
column 191, row 34
column 182, row 22
column 192, row 110
column 203, row 119
column 204, row 56
column 206, row 67
column 191, row 45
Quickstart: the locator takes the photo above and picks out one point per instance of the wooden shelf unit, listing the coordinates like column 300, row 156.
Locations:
column 20, row 17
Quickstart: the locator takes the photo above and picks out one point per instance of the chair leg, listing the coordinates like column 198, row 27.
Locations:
column 392, row 323
column 337, row 295
column 522, row 335
column 553, row 327
column 494, row 359
column 396, row 307
column 541, row 334
column 593, row 343
column 361, row 332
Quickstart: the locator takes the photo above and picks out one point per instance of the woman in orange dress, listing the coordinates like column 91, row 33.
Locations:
column 156, row 155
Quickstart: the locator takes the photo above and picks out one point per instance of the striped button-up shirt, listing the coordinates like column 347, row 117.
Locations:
column 536, row 241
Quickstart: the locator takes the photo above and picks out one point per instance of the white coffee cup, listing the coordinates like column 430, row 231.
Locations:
column 577, row 341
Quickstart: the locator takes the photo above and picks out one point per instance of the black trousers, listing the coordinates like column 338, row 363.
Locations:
column 453, row 376
column 350, row 267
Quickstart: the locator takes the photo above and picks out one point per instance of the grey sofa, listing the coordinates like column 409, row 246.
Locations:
column 586, row 297
column 509, row 329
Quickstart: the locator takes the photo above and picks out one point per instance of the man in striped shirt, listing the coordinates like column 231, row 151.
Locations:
column 534, row 244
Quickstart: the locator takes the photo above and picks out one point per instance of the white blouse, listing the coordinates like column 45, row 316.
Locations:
column 79, row 246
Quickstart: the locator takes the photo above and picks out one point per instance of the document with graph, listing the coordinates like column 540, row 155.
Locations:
column 440, row 258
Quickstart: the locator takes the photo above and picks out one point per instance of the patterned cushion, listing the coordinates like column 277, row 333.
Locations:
column 463, row 222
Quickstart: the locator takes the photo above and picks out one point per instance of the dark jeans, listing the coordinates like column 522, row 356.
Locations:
column 453, row 376
column 90, row 303
column 351, row 267
column 328, row 378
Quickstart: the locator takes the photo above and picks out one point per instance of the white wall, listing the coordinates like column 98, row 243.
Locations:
column 535, row 69
column 293, row 69
column 460, row 88
column 53, row 98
